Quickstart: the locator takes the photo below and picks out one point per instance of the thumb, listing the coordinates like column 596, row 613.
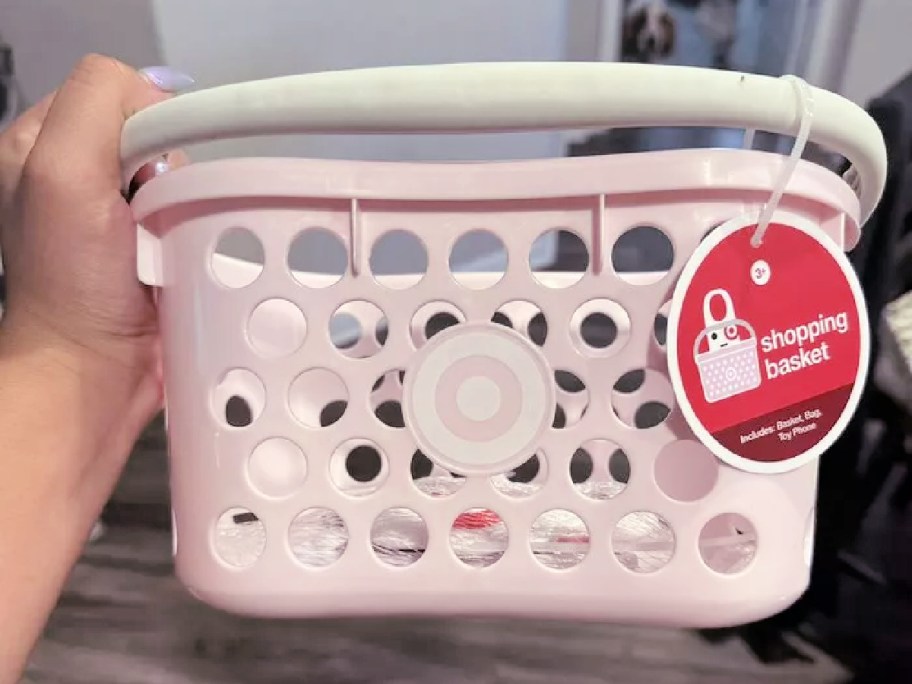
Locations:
column 80, row 138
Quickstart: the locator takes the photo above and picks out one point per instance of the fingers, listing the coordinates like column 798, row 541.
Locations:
column 79, row 143
column 16, row 143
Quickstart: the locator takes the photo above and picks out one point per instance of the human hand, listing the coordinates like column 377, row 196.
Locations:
column 68, row 238
column 78, row 339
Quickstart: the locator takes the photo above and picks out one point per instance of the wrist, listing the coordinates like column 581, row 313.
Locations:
column 115, row 368
column 84, row 408
column 67, row 428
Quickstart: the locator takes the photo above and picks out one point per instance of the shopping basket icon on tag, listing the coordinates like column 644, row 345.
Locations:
column 731, row 365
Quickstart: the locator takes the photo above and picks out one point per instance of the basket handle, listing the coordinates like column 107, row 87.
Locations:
column 721, row 326
column 491, row 97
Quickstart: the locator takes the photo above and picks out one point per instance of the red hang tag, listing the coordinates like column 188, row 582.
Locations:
column 768, row 346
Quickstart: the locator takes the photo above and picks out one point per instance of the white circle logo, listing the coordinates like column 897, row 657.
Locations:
column 478, row 398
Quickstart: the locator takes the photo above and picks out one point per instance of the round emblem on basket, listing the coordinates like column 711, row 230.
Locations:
column 477, row 398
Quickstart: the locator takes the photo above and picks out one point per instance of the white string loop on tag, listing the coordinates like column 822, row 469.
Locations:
column 805, row 101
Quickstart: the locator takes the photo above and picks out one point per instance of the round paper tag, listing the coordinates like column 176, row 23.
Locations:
column 768, row 346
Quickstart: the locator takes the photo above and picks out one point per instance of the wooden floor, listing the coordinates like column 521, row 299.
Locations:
column 124, row 618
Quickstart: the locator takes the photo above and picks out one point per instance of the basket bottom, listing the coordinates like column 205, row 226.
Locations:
column 690, row 612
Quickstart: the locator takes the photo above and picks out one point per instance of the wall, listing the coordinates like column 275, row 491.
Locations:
column 49, row 37
column 880, row 52
column 224, row 41
column 221, row 41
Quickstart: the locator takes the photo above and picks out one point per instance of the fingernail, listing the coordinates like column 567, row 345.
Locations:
column 167, row 79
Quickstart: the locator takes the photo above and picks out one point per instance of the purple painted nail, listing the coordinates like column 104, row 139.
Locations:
column 167, row 79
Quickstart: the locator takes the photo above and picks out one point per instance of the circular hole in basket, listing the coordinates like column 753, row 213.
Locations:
column 643, row 542
column 600, row 327
column 398, row 260
column 479, row 537
column 358, row 329
column 728, row 543
column 598, row 330
column 572, row 399
column 318, row 537
column 501, row 318
column 651, row 414
column 538, row 329
column 478, row 260
column 600, row 470
column 238, row 258
column 569, row 382
column 642, row 399
column 317, row 258
column 386, row 399
column 318, row 397
column 660, row 325
column 332, row 413
column 238, row 399
column 525, row 479
column 630, row 381
column 399, row 537
column 358, row 467
column 559, row 539
column 277, row 468
column 238, row 412
column 433, row 480
column 240, row 537
column 276, row 328
column 686, row 470
column 432, row 319
column 574, row 258
column 524, row 317
column 363, row 463
column 642, row 255
column 390, row 414
column 560, row 418
column 439, row 322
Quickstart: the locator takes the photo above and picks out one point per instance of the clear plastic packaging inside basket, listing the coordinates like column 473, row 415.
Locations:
column 642, row 542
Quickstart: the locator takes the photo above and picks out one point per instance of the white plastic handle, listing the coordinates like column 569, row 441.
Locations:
column 509, row 97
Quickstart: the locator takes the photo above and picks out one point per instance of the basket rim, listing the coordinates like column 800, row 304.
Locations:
column 611, row 176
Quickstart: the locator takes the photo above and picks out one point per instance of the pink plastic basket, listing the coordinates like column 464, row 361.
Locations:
column 440, row 442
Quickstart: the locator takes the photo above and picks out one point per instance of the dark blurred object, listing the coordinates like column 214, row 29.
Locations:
column 858, row 467
column 7, row 66
column 9, row 106
column 649, row 31
column 9, row 101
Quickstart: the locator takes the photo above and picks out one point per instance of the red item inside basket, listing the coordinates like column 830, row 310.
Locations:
column 476, row 520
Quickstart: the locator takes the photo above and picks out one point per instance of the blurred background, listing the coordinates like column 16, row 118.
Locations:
column 124, row 618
